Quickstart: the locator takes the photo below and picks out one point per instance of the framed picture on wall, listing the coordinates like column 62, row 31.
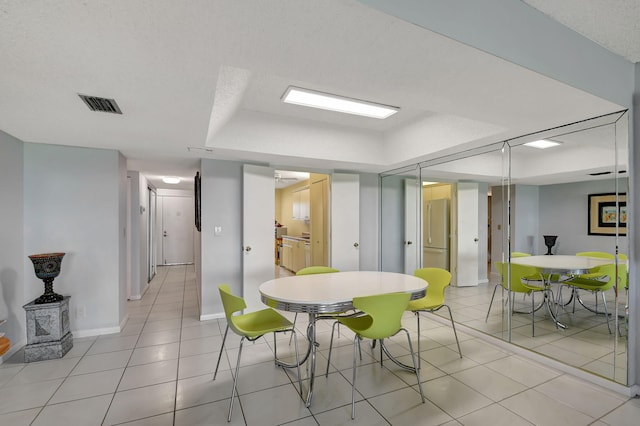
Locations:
column 605, row 214
column 196, row 196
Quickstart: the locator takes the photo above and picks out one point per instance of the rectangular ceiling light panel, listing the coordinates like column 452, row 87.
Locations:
column 311, row 98
column 542, row 144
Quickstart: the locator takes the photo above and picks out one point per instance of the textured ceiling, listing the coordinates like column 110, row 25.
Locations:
column 614, row 24
column 203, row 79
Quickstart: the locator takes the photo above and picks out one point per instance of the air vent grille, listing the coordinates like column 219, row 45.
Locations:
column 101, row 104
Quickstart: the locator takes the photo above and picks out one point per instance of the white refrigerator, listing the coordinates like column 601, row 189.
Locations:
column 435, row 234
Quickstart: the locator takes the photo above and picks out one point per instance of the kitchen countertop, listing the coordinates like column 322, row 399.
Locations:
column 291, row 237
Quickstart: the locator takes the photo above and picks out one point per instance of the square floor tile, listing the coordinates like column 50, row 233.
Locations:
column 89, row 411
column 87, row 385
column 146, row 355
column 259, row 407
column 102, row 362
column 140, row 403
column 31, row 395
column 149, row 374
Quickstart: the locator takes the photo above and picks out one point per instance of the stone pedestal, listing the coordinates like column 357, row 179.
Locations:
column 48, row 332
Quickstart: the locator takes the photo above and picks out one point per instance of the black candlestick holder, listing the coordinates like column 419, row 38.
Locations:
column 550, row 241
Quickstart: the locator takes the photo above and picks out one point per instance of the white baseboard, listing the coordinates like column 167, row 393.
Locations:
column 135, row 297
column 211, row 317
column 124, row 321
column 95, row 332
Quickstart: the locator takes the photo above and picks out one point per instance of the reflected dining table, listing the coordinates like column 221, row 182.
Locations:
column 324, row 295
column 549, row 265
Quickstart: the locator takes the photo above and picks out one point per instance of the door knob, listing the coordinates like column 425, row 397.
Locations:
column 248, row 248
column 408, row 242
column 164, row 234
column 476, row 239
column 355, row 244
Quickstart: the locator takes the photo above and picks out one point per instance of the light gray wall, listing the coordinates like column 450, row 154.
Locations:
column 12, row 254
column 122, row 238
column 525, row 235
column 369, row 222
column 137, row 235
column 221, row 255
column 392, row 224
column 73, row 203
column 563, row 212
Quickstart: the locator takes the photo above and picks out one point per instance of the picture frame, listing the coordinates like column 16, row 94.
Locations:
column 197, row 196
column 606, row 215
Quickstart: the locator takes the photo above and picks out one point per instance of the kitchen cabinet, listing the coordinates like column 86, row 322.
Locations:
column 286, row 261
column 294, row 254
column 319, row 220
column 301, row 204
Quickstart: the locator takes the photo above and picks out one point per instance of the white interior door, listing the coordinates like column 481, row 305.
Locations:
column 258, row 218
column 467, row 234
column 411, row 236
column 177, row 230
column 345, row 221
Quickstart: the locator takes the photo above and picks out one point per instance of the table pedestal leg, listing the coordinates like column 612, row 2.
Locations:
column 311, row 334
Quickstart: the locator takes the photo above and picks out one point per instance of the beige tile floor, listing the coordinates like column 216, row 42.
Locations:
column 159, row 369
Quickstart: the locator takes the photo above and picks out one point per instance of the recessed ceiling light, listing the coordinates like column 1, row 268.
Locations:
column 311, row 98
column 171, row 180
column 542, row 144
column 427, row 183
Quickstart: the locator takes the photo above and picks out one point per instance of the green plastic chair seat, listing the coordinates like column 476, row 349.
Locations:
column 311, row 270
column 255, row 324
column 381, row 318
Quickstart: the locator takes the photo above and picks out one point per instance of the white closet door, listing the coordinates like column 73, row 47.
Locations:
column 345, row 221
column 258, row 237
column 468, row 198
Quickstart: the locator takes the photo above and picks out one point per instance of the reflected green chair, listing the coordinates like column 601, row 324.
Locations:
column 382, row 316
column 251, row 327
column 438, row 280
column 312, row 270
column 598, row 280
column 515, row 284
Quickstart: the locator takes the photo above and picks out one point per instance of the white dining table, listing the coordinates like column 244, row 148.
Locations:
column 570, row 265
column 321, row 294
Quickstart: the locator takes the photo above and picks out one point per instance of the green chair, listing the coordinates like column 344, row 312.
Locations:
column 251, row 327
column 312, row 270
column 519, row 254
column 381, row 318
column 438, row 280
column 515, row 284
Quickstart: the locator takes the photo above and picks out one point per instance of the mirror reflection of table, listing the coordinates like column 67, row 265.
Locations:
column 560, row 265
column 322, row 294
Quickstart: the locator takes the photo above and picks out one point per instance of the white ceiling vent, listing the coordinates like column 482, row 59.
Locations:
column 101, row 104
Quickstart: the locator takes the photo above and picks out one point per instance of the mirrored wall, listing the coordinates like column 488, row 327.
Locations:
column 477, row 211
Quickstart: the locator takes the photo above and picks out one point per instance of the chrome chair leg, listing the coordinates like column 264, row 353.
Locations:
column 224, row 339
column 235, row 380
